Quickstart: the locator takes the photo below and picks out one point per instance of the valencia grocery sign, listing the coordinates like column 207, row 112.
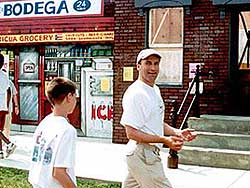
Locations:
column 57, row 37
column 39, row 8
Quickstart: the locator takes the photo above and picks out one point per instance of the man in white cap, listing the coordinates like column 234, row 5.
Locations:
column 143, row 119
column 4, row 102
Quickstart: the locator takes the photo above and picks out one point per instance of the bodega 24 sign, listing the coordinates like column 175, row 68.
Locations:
column 41, row 8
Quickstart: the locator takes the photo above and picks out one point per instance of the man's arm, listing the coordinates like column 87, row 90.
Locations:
column 186, row 134
column 174, row 142
column 16, row 106
column 63, row 178
column 171, row 131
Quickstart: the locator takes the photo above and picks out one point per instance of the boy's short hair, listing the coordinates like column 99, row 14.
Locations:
column 58, row 89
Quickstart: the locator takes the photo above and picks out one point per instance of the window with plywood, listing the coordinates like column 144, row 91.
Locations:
column 166, row 36
column 244, row 46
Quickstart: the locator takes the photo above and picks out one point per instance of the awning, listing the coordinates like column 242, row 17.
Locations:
column 230, row 2
column 161, row 3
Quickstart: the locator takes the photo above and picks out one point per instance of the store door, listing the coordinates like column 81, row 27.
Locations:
column 240, row 60
column 29, row 83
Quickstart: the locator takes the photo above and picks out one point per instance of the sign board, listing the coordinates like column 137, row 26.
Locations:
column 29, row 67
column 45, row 8
column 192, row 69
column 57, row 37
column 128, row 73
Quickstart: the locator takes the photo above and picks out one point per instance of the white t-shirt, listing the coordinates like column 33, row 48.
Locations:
column 4, row 80
column 143, row 109
column 4, row 84
column 54, row 146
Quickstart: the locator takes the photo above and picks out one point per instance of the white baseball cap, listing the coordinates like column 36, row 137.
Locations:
column 146, row 53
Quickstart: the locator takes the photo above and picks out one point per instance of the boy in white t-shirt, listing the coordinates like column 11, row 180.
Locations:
column 53, row 155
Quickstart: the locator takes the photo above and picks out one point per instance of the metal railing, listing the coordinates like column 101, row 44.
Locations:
column 174, row 114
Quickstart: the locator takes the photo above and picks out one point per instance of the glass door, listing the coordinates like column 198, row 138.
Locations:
column 29, row 83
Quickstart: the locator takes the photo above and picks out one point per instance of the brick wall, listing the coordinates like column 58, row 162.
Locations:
column 206, row 41
column 129, row 39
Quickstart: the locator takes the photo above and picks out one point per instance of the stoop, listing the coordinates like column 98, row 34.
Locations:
column 224, row 142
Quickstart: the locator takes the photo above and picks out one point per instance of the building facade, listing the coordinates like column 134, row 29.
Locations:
column 95, row 43
column 45, row 39
column 213, row 34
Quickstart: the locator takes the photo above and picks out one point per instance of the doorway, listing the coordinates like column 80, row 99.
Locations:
column 29, row 83
column 240, row 61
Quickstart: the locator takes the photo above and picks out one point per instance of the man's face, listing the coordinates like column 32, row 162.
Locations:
column 148, row 69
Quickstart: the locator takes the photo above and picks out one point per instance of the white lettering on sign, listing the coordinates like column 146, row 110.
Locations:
column 38, row 8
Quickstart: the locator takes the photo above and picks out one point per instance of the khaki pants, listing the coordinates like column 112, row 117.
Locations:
column 145, row 169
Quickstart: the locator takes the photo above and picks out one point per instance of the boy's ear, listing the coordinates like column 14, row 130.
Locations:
column 69, row 97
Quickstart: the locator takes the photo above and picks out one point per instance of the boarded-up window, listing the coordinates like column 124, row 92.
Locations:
column 166, row 36
column 243, row 47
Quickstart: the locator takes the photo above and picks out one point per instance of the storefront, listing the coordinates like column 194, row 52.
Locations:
column 45, row 39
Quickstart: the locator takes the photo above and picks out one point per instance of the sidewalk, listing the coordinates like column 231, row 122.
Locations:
column 102, row 160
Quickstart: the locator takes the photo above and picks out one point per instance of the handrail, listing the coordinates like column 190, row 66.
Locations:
column 187, row 93
column 173, row 113
column 173, row 155
column 188, row 111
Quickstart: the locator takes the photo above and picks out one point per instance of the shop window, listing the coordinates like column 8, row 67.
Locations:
column 244, row 46
column 166, row 36
column 67, row 60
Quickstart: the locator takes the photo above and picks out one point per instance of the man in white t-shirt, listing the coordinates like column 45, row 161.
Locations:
column 4, row 104
column 53, row 155
column 143, row 119
column 8, row 118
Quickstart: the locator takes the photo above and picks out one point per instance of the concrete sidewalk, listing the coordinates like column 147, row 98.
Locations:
column 102, row 160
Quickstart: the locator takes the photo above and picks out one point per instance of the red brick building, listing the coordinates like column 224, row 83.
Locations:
column 211, row 33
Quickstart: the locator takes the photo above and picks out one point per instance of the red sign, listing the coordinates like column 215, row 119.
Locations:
column 103, row 112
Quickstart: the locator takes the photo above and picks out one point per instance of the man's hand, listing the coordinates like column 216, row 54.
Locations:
column 174, row 142
column 188, row 134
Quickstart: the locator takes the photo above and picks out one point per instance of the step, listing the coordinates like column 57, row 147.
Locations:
column 220, row 158
column 221, row 141
column 221, row 124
